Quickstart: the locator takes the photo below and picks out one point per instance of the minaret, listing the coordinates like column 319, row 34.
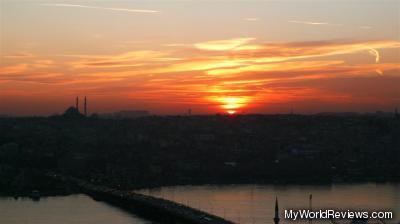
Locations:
column 77, row 103
column 276, row 218
column 85, row 108
column 310, row 207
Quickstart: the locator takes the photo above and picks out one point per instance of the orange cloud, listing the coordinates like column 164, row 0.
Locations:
column 128, row 59
column 12, row 69
column 229, row 74
column 282, row 66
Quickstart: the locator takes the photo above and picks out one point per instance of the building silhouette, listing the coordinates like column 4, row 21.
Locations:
column 72, row 112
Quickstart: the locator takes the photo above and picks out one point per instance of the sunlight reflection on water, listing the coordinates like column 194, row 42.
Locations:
column 255, row 203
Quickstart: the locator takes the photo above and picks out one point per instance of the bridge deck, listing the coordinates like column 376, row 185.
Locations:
column 159, row 209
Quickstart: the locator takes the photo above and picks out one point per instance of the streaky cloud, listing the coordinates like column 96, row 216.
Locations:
column 223, row 45
column 102, row 8
column 18, row 55
column 251, row 19
column 174, row 45
column 314, row 23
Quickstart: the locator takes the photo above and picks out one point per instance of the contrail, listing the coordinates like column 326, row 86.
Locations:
column 375, row 53
column 103, row 8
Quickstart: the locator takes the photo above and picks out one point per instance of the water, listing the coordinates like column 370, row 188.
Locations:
column 73, row 209
column 255, row 203
column 245, row 204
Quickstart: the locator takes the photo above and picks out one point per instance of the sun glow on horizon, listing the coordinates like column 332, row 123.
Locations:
column 231, row 104
column 149, row 58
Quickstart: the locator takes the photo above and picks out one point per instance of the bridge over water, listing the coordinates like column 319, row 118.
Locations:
column 153, row 208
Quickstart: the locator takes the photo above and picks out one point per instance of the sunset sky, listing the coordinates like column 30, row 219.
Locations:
column 211, row 56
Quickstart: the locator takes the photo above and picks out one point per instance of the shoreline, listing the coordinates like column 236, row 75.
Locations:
column 68, row 191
